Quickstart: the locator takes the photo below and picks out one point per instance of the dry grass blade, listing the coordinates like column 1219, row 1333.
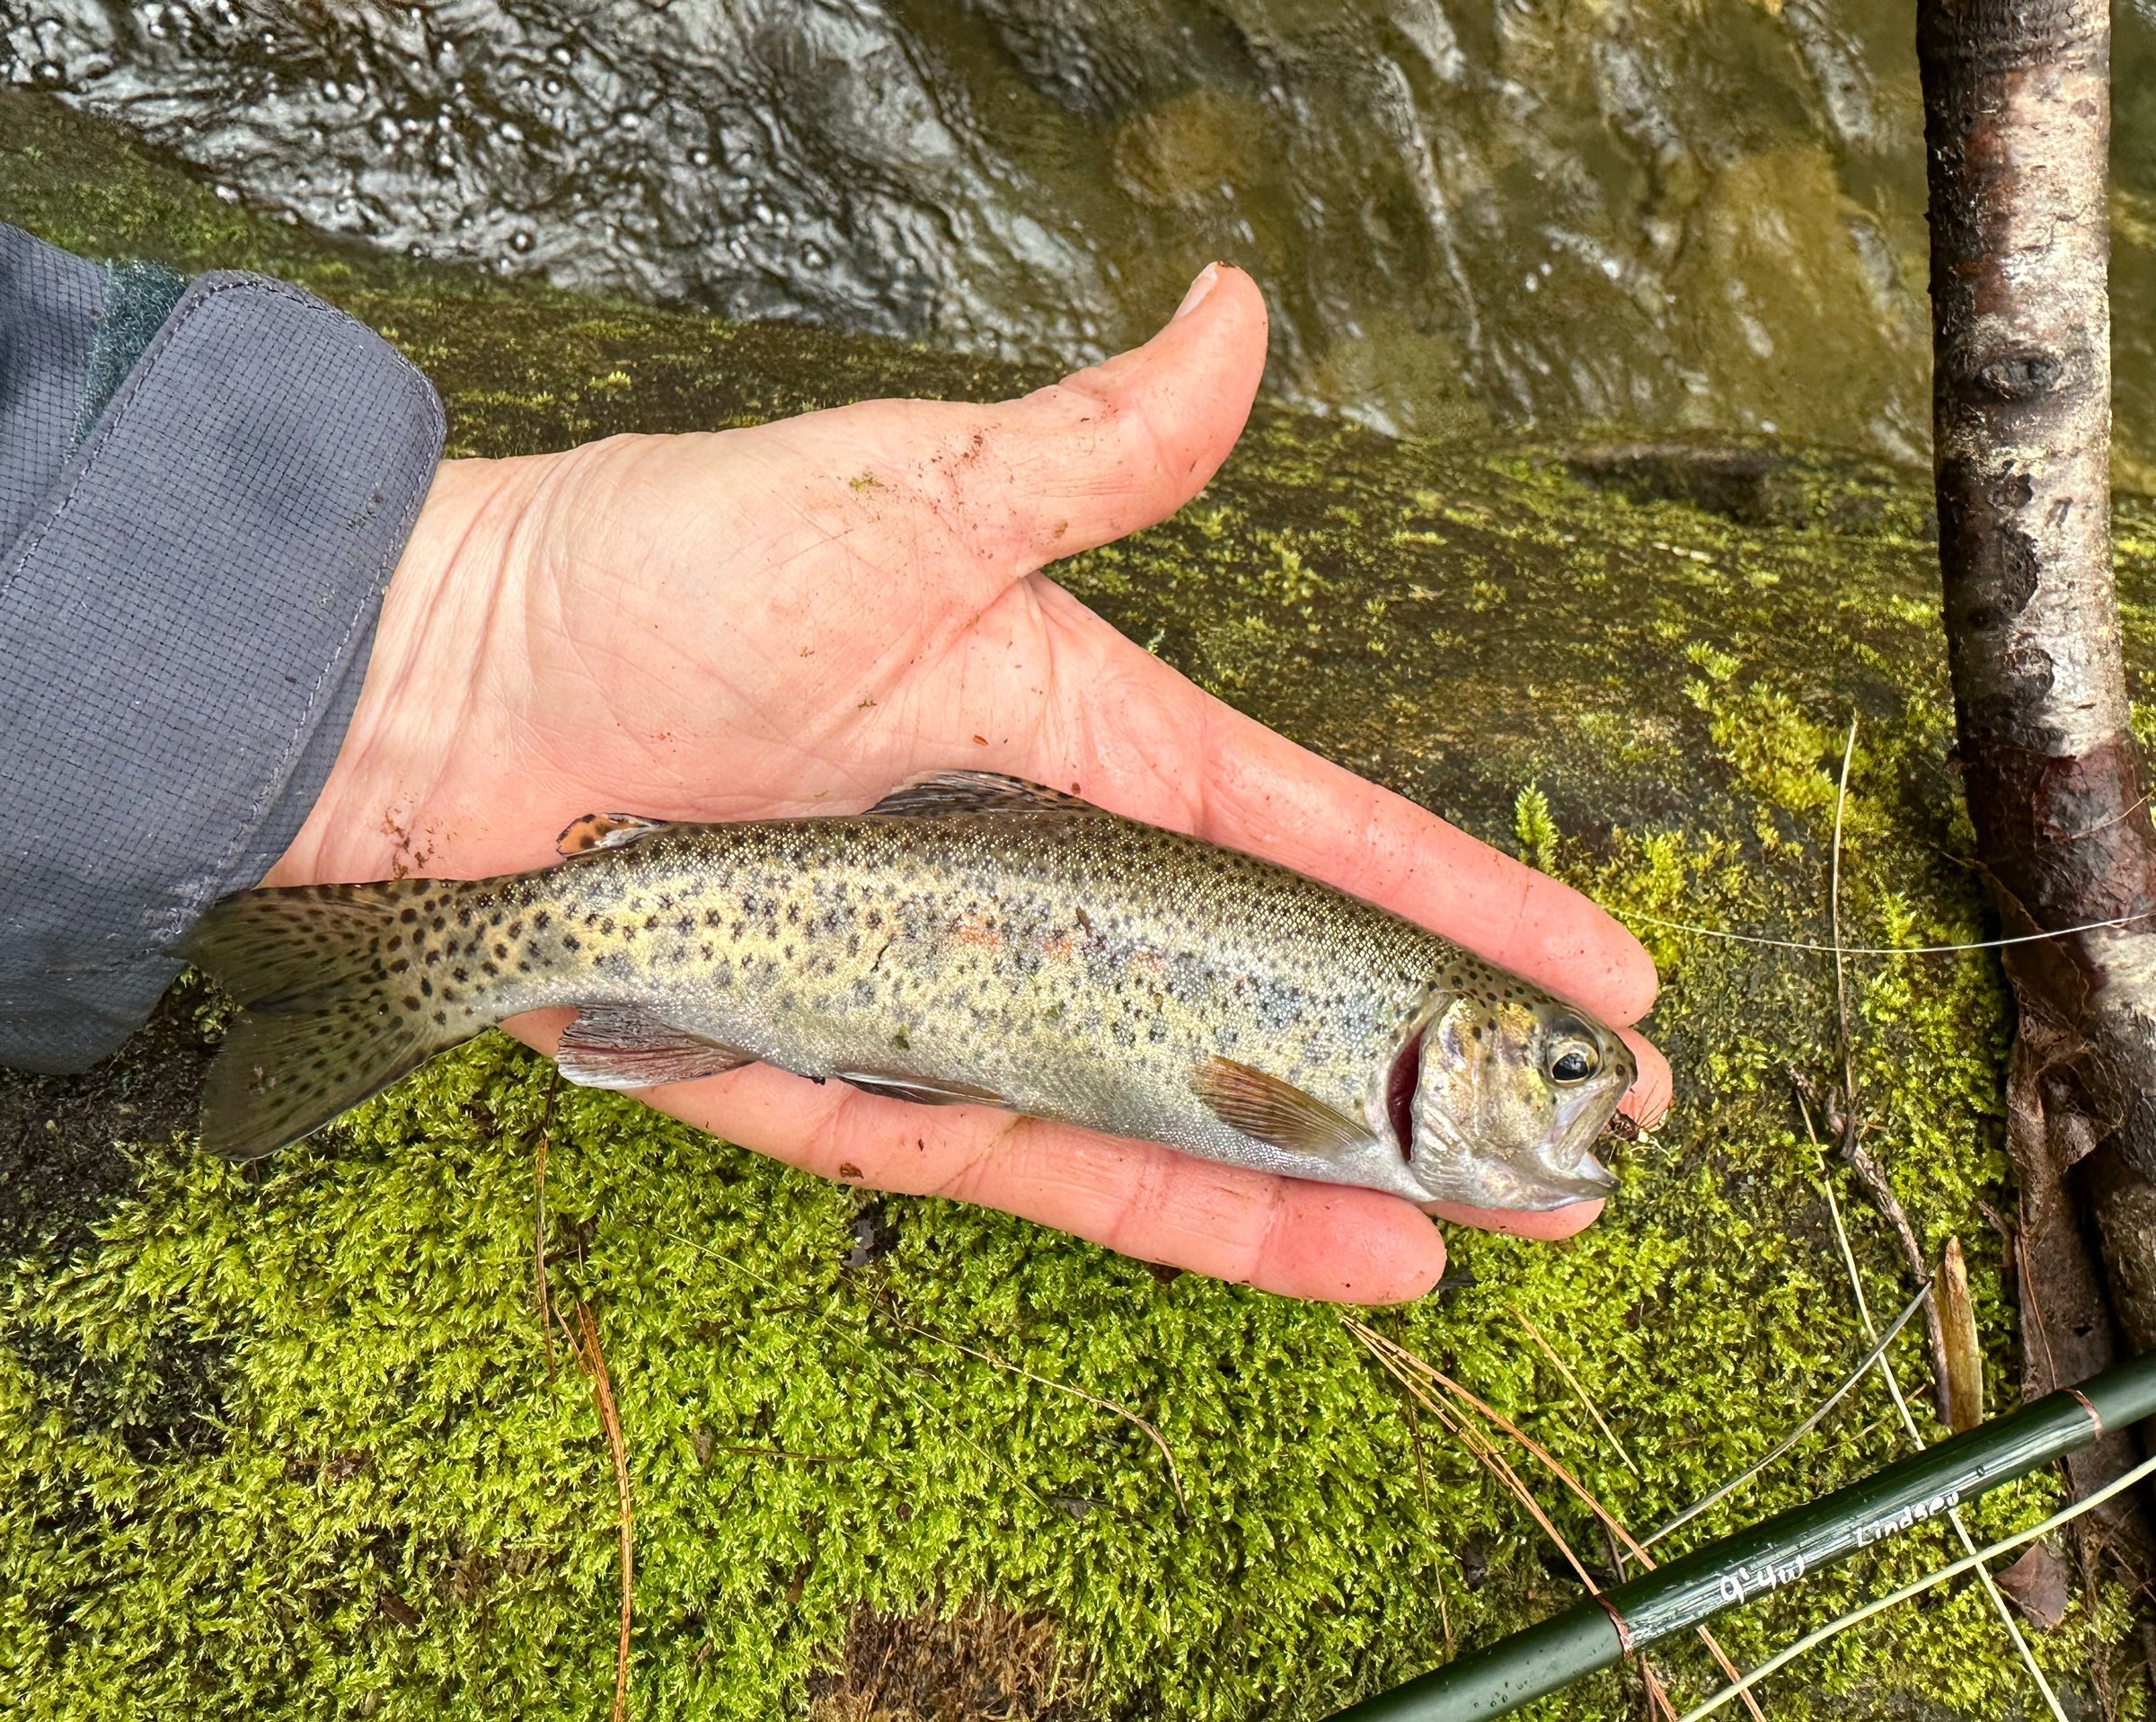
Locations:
column 546, row 1132
column 1971, row 1562
column 1407, row 1361
column 1799, row 1432
column 1578, row 1392
column 1175, row 1476
column 1894, row 1390
column 1833, row 911
column 602, row 1389
column 1399, row 1361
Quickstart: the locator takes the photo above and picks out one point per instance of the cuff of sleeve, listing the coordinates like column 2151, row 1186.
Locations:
column 186, row 625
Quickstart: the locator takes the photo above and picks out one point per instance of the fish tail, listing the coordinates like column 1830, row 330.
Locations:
column 327, row 1015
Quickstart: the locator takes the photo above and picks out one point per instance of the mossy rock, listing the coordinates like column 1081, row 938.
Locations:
column 295, row 1440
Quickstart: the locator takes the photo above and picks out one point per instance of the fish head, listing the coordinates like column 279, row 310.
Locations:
column 1510, row 1090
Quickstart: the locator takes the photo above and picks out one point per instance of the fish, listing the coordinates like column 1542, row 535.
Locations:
column 972, row 939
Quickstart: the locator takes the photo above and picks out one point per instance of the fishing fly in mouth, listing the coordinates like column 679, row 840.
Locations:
column 972, row 939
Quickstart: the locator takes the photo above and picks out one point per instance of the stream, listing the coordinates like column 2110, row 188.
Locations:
column 1662, row 216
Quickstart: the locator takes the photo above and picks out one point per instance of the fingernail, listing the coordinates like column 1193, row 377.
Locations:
column 1198, row 289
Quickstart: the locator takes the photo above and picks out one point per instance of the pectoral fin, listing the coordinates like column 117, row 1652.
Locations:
column 624, row 1045
column 922, row 1092
column 1274, row 1111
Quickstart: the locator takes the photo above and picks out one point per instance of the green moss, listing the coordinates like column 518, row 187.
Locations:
column 238, row 1409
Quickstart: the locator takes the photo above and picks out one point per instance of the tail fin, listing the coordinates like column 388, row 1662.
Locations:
column 324, row 1023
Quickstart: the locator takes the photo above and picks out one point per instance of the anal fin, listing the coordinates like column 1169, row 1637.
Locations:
column 625, row 1046
column 1275, row 1112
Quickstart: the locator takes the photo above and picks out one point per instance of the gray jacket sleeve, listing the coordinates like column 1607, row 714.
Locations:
column 204, row 487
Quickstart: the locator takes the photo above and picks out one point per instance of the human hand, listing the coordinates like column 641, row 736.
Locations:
column 792, row 619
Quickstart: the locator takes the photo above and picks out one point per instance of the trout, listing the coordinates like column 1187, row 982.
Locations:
column 971, row 938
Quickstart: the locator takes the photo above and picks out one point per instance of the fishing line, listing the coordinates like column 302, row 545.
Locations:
column 1880, row 950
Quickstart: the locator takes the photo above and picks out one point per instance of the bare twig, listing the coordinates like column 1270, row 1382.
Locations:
column 805, row 1457
column 602, row 1390
column 1578, row 1392
column 1868, row 1170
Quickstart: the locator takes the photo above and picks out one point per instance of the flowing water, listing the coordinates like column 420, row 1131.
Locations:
column 1660, row 214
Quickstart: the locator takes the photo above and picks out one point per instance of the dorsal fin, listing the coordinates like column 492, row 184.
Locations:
column 976, row 792
column 594, row 831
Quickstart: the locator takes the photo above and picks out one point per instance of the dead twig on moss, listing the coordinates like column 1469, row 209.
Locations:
column 602, row 1390
column 1850, row 1129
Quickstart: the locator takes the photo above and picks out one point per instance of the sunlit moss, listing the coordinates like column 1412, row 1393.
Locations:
column 251, row 1405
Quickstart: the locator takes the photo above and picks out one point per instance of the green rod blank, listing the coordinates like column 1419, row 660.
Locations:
column 1502, row 1677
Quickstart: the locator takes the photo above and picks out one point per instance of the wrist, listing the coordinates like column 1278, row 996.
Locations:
column 416, row 703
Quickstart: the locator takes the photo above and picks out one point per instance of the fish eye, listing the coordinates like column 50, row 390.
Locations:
column 1573, row 1064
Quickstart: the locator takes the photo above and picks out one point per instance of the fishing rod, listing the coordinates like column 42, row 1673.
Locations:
column 1615, row 1623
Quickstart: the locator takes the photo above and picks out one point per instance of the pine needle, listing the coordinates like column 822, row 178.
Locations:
column 546, row 1131
column 1385, row 1350
column 1578, row 1392
column 602, row 1389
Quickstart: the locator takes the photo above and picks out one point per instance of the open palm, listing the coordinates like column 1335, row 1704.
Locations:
column 793, row 618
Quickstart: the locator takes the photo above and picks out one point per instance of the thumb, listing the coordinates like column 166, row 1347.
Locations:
column 1128, row 442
